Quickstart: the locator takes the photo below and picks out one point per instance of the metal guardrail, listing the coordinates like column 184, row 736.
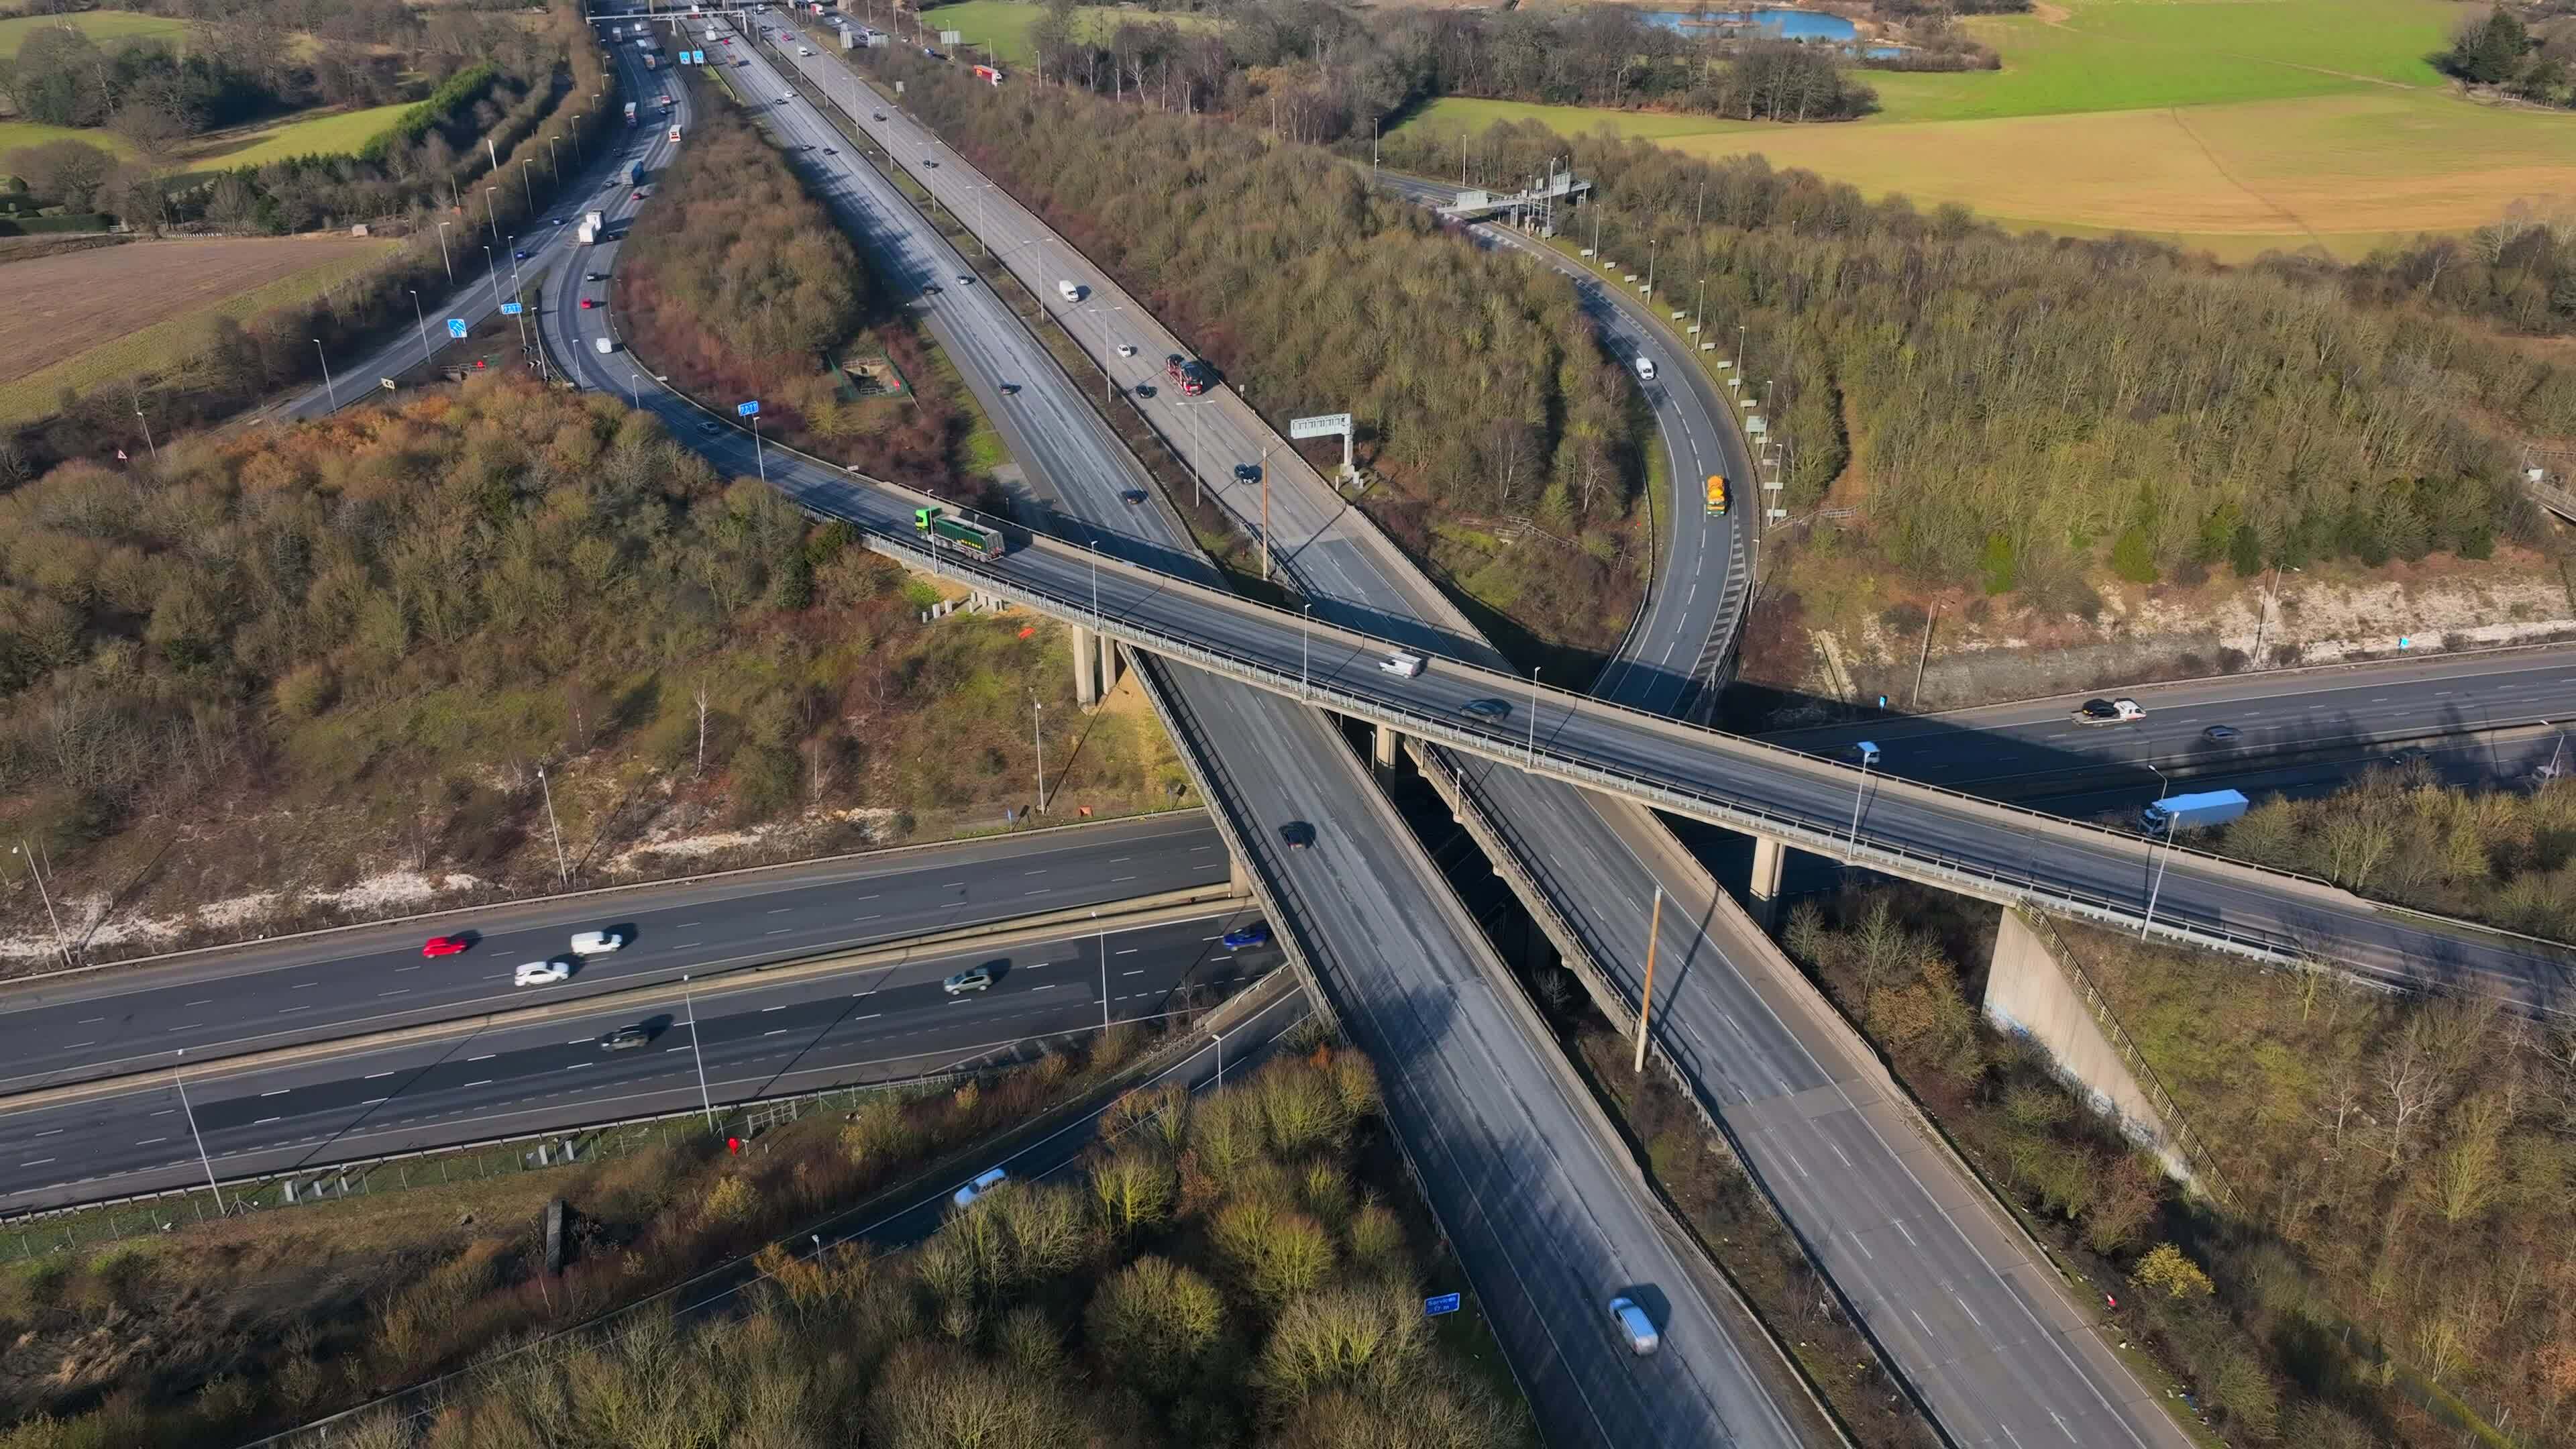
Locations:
column 1968, row 876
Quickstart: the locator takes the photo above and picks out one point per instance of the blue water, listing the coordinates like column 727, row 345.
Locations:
column 1795, row 24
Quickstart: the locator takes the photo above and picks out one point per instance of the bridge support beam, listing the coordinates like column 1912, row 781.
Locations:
column 1086, row 667
column 1108, row 664
column 1385, row 742
column 1770, row 857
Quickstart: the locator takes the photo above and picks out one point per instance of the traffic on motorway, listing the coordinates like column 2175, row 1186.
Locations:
column 630, row 1054
column 100, row 1022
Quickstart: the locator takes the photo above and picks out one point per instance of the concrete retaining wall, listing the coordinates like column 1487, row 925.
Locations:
column 2033, row 994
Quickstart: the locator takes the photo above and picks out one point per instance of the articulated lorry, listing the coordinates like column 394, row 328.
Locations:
column 941, row 526
column 2191, row 812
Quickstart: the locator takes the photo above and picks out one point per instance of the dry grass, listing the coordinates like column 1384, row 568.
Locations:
column 85, row 318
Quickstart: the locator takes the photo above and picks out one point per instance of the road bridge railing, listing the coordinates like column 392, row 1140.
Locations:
column 1985, row 876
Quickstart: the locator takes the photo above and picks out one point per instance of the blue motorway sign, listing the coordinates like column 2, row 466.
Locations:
column 455, row 326
column 1445, row 1303
column 748, row 409
column 510, row 309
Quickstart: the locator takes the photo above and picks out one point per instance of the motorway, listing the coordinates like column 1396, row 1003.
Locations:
column 77, row 1025
column 1703, row 572
column 1815, row 1122
column 758, row 1039
column 1540, row 1213
column 2030, row 749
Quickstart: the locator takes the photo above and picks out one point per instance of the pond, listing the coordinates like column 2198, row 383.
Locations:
column 1794, row 24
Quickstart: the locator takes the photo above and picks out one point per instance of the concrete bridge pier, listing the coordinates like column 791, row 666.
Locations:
column 1108, row 664
column 1086, row 667
column 1770, row 858
column 1384, row 742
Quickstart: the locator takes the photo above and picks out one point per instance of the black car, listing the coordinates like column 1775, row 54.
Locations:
column 594, row 276
column 1485, row 709
column 932, row 288
column 709, row 427
column 1132, row 495
column 2219, row 732
column 876, row 115
column 1247, row 472
column 626, row 1038
column 1144, row 389
column 1298, row 834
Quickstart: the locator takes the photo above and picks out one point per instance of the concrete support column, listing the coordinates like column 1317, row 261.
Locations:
column 1769, row 857
column 1108, row 664
column 1239, row 878
column 1385, row 742
column 1086, row 668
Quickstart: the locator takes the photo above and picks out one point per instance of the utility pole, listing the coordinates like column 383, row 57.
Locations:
column 442, row 252
column 563, row 872
column 706, row 1102
column 199, row 1138
column 1646, row 1001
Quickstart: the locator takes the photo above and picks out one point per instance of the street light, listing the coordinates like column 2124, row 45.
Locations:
column 442, row 252
column 199, row 1138
column 563, row 872
column 1305, row 633
column 1868, row 753
column 147, row 428
column 2157, row 886
column 1038, row 737
column 491, row 216
column 33, row 869
column 328, row 395
column 706, row 1102
column 1533, row 729
column 417, row 316
column 1094, row 546
column 527, row 188
column 757, row 455
column 554, row 160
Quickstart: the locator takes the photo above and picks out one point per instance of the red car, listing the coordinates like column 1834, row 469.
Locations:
column 589, row 302
column 444, row 946
column 639, row 196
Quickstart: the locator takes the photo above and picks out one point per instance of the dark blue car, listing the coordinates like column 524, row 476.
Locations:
column 1242, row 937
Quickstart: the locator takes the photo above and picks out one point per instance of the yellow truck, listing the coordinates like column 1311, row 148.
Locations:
column 1716, row 493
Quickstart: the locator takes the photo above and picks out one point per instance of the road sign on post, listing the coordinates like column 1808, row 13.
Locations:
column 511, row 309
column 749, row 409
column 455, row 326
column 1325, row 425
column 1445, row 1303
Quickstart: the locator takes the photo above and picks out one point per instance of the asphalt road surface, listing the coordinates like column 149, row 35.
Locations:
column 757, row 1041
column 96, row 1023
column 2033, row 749
column 1544, row 1224
column 1704, row 563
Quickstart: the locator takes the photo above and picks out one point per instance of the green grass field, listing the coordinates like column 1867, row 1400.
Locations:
column 1004, row 24
column 2237, row 126
column 102, row 26
column 325, row 134
column 14, row 134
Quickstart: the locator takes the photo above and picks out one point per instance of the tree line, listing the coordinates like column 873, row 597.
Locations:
column 2502, row 51
column 739, row 284
column 2399, row 1169
column 546, row 70
column 1320, row 73
column 2518, row 273
column 1477, row 387
column 376, row 626
column 2018, row 410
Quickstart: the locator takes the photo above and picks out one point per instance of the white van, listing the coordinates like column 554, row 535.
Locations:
column 605, row 346
column 1645, row 369
column 597, row 943
column 1070, row 291
column 1405, row 665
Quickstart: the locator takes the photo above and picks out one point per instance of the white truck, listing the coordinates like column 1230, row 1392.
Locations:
column 1070, row 291
column 605, row 345
column 587, row 234
column 595, row 220
column 2106, row 711
column 2191, row 812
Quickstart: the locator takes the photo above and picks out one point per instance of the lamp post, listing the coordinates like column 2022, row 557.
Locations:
column 1868, row 757
column 563, row 872
column 329, row 395
column 199, row 1138
column 554, row 160
column 1653, row 248
column 418, row 317
column 1533, row 729
column 2156, row 887
column 147, row 428
column 1305, row 633
column 442, row 252
column 706, row 1102
column 757, row 456
column 1037, row 736
column 527, row 188
column 491, row 212
column 1106, row 349
column 492, row 269
column 1696, row 303
column 1094, row 547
